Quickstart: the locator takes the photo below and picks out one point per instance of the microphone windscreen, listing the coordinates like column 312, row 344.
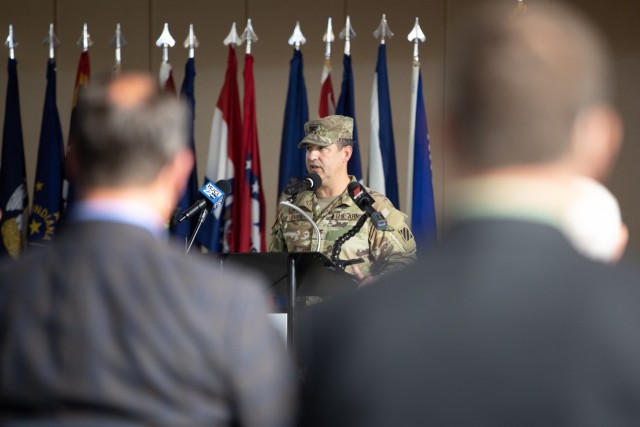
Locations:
column 224, row 186
column 317, row 181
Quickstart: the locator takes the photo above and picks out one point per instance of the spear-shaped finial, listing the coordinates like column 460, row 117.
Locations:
column 11, row 43
column 232, row 37
column 328, row 38
column 118, row 42
column 191, row 42
column 347, row 34
column 85, row 39
column 297, row 38
column 165, row 41
column 249, row 36
column 51, row 42
column 416, row 36
column 383, row 32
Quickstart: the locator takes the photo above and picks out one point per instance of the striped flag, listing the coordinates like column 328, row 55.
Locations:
column 47, row 190
column 224, row 145
column 327, row 100
column 82, row 78
column 420, row 200
column 382, row 153
column 184, row 229
column 347, row 107
column 292, row 158
column 249, row 217
column 13, row 182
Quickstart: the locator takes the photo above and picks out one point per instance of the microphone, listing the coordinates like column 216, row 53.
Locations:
column 365, row 202
column 213, row 193
column 309, row 182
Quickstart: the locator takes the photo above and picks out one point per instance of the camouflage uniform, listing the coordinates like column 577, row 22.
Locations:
column 382, row 251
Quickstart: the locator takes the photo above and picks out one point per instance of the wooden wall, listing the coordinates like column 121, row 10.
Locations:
column 273, row 21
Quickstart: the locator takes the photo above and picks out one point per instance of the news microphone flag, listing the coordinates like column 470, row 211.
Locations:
column 347, row 107
column 420, row 199
column 226, row 136
column 292, row 158
column 250, row 210
column 383, row 176
column 213, row 194
column 13, row 182
column 48, row 202
column 184, row 229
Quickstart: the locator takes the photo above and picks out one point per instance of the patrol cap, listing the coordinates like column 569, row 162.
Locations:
column 327, row 130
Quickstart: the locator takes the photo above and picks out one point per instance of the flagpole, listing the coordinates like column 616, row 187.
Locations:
column 297, row 39
column 85, row 39
column 347, row 34
column 11, row 43
column 118, row 42
column 249, row 37
column 415, row 36
column 51, row 42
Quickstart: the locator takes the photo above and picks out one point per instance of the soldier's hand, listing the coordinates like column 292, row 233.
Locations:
column 362, row 279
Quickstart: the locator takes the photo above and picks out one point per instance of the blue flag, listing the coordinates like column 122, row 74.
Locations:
column 383, row 176
column 47, row 190
column 189, row 197
column 420, row 192
column 13, row 181
column 296, row 114
column 347, row 107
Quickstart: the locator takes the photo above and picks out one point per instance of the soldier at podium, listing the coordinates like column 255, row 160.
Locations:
column 376, row 249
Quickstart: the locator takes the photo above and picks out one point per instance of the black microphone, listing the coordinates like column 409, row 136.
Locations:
column 213, row 193
column 309, row 182
column 365, row 202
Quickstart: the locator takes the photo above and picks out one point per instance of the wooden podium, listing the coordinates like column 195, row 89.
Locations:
column 292, row 275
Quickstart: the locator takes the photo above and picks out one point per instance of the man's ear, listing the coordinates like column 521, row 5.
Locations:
column 597, row 137
column 347, row 152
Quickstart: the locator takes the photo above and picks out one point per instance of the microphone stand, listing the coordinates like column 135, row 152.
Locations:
column 290, row 205
column 201, row 218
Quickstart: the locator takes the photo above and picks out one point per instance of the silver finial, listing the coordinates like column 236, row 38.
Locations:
column 51, row 42
column 297, row 38
column 85, row 39
column 118, row 42
column 328, row 38
column 415, row 36
column 383, row 32
column 347, row 34
column 232, row 37
column 165, row 41
column 191, row 42
column 249, row 36
column 11, row 43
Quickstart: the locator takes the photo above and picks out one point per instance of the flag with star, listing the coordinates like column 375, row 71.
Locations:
column 13, row 181
column 47, row 190
column 249, row 206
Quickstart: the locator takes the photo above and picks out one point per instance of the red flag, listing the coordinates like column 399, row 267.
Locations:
column 327, row 100
column 249, row 206
column 166, row 78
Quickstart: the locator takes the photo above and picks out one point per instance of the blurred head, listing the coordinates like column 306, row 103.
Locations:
column 528, row 90
column 127, row 131
column 329, row 147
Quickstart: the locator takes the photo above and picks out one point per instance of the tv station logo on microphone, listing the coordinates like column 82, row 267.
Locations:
column 213, row 193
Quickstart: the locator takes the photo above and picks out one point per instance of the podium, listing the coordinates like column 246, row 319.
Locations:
column 292, row 275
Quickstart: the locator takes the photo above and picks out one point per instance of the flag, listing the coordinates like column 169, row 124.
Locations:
column 13, row 181
column 47, row 190
column 166, row 78
column 382, row 153
column 347, row 107
column 327, row 100
column 249, row 206
column 420, row 200
column 184, row 229
column 296, row 114
column 226, row 135
column 82, row 78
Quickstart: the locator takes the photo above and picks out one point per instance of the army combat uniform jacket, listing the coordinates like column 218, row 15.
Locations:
column 381, row 251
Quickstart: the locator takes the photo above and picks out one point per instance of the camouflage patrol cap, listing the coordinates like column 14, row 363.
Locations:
column 327, row 130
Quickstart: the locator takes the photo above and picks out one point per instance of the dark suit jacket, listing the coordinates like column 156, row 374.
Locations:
column 109, row 323
column 504, row 325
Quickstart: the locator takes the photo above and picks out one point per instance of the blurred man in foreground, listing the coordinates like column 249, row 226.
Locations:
column 111, row 324
column 506, row 324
